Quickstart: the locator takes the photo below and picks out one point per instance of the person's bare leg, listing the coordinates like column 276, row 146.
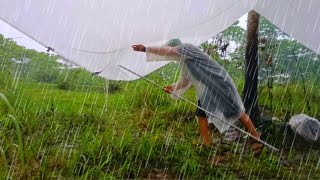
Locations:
column 246, row 121
column 204, row 130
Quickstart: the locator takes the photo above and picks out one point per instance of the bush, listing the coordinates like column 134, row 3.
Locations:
column 113, row 87
column 64, row 85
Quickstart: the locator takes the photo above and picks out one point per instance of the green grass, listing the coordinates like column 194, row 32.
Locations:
column 128, row 134
column 291, row 99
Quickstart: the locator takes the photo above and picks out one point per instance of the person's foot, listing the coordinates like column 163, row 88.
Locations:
column 257, row 148
column 207, row 142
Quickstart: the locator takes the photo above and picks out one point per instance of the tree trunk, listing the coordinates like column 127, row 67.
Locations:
column 249, row 94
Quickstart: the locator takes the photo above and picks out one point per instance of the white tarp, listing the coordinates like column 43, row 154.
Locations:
column 97, row 34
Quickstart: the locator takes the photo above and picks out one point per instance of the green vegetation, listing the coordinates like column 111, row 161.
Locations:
column 65, row 123
column 126, row 135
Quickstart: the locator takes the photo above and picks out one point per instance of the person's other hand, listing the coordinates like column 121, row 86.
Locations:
column 168, row 89
column 139, row 47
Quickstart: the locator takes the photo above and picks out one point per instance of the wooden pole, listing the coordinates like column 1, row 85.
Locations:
column 250, row 91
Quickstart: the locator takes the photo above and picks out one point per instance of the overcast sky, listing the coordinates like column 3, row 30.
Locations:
column 21, row 39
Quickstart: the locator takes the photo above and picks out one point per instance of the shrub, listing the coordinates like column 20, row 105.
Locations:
column 64, row 85
column 113, row 87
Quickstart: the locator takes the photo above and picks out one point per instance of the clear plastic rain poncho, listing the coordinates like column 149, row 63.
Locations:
column 214, row 87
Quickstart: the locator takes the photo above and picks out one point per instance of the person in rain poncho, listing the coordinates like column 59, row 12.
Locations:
column 215, row 89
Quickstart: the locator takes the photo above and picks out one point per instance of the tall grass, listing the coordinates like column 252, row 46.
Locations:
column 4, row 158
column 17, row 130
column 143, row 131
column 291, row 99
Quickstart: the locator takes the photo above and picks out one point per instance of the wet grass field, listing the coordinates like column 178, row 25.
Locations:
column 136, row 133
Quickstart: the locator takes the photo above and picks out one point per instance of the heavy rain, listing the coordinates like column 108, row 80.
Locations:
column 146, row 89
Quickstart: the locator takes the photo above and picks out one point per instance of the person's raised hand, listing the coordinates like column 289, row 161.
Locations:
column 139, row 47
column 168, row 89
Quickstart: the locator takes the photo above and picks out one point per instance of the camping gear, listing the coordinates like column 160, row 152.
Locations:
column 306, row 127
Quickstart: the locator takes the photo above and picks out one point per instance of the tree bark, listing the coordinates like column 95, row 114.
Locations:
column 250, row 93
